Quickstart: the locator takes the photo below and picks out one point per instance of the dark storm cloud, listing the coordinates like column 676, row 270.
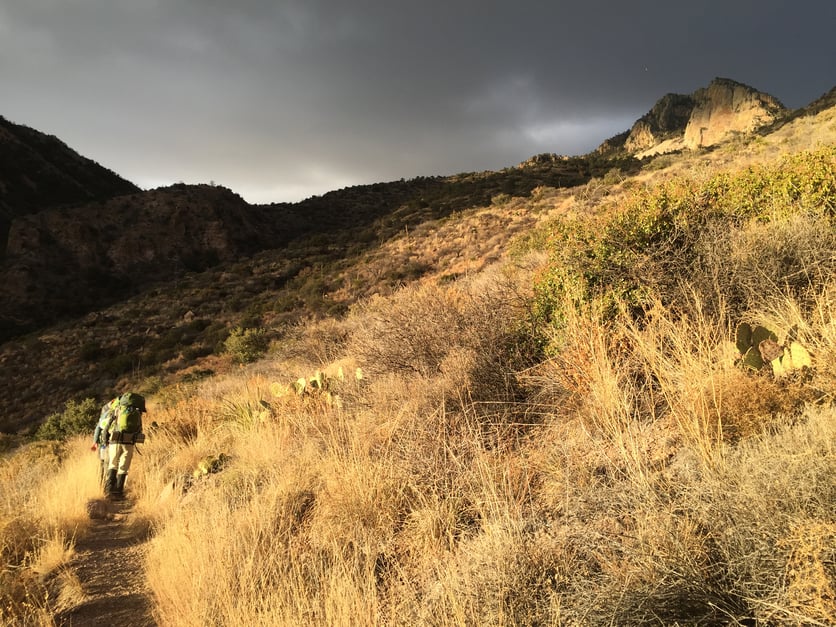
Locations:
column 279, row 100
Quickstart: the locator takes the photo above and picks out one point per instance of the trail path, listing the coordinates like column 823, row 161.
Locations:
column 111, row 552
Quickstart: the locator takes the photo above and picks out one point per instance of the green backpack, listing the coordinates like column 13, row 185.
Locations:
column 129, row 417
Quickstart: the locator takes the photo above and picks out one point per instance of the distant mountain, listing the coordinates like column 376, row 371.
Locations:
column 702, row 119
column 38, row 171
column 67, row 261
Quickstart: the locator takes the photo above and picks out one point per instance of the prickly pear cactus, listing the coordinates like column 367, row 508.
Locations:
column 770, row 350
column 743, row 337
column 319, row 381
column 320, row 388
column 759, row 346
column 210, row 465
column 749, row 341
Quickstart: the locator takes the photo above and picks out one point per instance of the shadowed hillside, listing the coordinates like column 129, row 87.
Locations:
column 68, row 261
column 38, row 171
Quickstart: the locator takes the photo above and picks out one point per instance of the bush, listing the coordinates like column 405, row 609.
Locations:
column 91, row 351
column 734, row 236
column 119, row 364
column 77, row 418
column 470, row 332
column 246, row 345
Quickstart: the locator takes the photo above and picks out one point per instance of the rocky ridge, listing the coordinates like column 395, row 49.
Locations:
column 70, row 260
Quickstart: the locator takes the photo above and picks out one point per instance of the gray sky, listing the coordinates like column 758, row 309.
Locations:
column 282, row 100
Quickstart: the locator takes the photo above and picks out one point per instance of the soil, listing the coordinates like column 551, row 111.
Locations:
column 108, row 566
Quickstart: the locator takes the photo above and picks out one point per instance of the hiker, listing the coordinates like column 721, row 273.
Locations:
column 101, row 435
column 125, row 432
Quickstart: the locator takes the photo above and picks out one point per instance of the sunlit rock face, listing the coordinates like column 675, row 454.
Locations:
column 726, row 107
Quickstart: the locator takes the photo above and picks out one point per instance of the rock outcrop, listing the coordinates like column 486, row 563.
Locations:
column 704, row 118
column 666, row 119
column 726, row 107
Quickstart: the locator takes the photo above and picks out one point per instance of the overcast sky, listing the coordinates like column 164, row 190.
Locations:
column 282, row 100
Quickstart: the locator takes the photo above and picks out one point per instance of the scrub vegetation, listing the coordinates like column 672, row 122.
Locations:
column 565, row 433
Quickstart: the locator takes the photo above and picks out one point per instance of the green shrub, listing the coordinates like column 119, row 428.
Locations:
column 770, row 222
column 246, row 345
column 77, row 418
column 119, row 364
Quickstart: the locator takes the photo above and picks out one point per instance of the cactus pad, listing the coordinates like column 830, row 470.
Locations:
column 743, row 337
column 759, row 334
column 800, row 357
column 752, row 359
column 770, row 350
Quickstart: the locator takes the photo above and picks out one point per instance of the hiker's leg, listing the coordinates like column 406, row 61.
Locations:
column 117, row 452
column 113, row 456
column 126, row 454
column 127, row 457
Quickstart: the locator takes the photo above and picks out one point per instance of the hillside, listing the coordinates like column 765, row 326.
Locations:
column 194, row 250
column 68, row 261
column 554, row 407
column 166, row 252
column 39, row 171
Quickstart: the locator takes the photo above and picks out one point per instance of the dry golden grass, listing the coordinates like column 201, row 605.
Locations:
column 45, row 491
column 630, row 503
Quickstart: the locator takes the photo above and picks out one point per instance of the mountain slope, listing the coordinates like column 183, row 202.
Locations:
column 39, row 171
column 153, row 309
column 67, row 261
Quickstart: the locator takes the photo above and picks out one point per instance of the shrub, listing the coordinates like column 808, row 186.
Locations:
column 119, row 364
column 246, row 345
column 91, row 351
column 77, row 418
column 468, row 331
column 734, row 236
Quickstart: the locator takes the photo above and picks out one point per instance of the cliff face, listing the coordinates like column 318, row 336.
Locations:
column 667, row 117
column 725, row 107
column 69, row 260
column 703, row 118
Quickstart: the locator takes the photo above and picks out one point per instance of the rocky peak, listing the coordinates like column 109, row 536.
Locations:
column 726, row 106
column 703, row 118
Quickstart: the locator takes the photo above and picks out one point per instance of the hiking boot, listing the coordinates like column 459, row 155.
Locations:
column 110, row 482
column 120, row 484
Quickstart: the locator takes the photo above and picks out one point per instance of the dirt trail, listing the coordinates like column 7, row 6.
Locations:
column 111, row 552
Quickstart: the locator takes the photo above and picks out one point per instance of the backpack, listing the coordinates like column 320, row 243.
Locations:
column 108, row 414
column 129, row 413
